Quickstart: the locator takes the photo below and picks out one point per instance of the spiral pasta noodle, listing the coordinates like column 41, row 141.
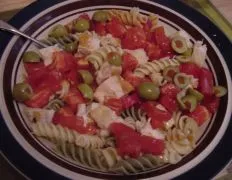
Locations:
column 154, row 66
column 131, row 165
column 134, row 113
column 99, row 159
column 59, row 133
column 158, row 79
column 180, row 139
column 132, row 17
column 98, row 57
column 153, row 18
column 55, row 104
column 89, row 141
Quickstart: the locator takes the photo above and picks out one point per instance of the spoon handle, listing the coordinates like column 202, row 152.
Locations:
column 7, row 27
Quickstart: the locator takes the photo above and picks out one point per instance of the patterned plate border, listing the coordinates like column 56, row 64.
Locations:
column 222, row 131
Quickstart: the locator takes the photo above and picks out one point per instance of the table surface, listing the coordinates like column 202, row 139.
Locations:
column 8, row 8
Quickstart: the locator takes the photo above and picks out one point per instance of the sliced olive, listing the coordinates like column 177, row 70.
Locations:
column 86, row 91
column 182, row 58
column 188, row 53
column 100, row 16
column 58, row 31
column 22, row 92
column 82, row 25
column 114, row 58
column 181, row 80
column 86, row 76
column 190, row 102
column 219, row 91
column 196, row 93
column 148, row 91
column 170, row 72
column 179, row 44
column 71, row 47
column 31, row 56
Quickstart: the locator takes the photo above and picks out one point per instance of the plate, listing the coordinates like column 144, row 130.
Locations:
column 37, row 161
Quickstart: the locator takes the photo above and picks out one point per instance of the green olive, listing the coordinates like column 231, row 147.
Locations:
column 188, row 53
column 71, row 47
column 31, row 57
column 219, row 91
column 170, row 72
column 82, row 25
column 22, row 92
column 86, row 91
column 181, row 80
column 58, row 31
column 100, row 16
column 148, row 91
column 182, row 58
column 196, row 93
column 190, row 102
column 114, row 58
column 179, row 44
column 86, row 76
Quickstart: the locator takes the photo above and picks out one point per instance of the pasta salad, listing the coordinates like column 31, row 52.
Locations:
column 115, row 93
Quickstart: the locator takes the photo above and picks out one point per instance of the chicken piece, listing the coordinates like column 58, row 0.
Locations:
column 199, row 53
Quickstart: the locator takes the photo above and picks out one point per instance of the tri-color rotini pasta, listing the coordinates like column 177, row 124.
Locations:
column 118, row 94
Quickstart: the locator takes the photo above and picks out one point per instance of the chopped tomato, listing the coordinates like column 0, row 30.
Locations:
column 84, row 16
column 190, row 69
column 169, row 103
column 116, row 28
column 73, row 98
column 211, row 103
column 157, row 116
column 119, row 128
column 134, row 80
column 100, row 28
column 170, row 90
column 115, row 104
column 40, row 99
column 150, row 145
column 153, row 51
column 129, row 62
column 66, row 118
column 72, row 77
column 128, row 101
column 131, row 143
column 83, row 64
column 200, row 114
column 206, row 82
column 134, row 38
column 64, row 61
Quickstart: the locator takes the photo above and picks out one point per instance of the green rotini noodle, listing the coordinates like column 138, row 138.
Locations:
column 99, row 159
column 98, row 57
column 60, row 133
column 154, row 66
column 131, row 165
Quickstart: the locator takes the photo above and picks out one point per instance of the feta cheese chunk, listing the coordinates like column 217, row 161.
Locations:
column 38, row 114
column 103, row 116
column 199, row 53
column 113, row 87
column 106, row 71
column 147, row 130
column 47, row 54
column 139, row 54
column 88, row 42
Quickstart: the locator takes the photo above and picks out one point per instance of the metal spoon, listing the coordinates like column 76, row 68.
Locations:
column 7, row 27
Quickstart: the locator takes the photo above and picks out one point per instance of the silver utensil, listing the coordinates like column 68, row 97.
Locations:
column 7, row 27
